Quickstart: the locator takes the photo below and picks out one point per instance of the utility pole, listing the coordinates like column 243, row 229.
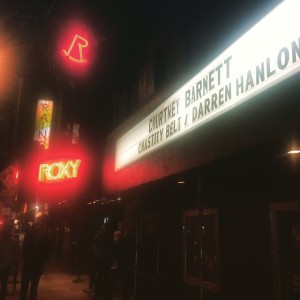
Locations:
column 16, row 121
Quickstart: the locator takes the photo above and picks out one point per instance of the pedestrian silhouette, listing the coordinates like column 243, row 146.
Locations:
column 36, row 251
column 9, row 256
column 103, row 263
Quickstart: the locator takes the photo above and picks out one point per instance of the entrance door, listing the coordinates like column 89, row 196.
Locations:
column 285, row 231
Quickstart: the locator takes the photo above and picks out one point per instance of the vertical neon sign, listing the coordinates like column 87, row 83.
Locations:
column 43, row 122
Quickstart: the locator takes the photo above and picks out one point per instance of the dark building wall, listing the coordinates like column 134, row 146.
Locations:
column 242, row 188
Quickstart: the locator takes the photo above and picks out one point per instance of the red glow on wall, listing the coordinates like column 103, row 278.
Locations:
column 58, row 174
column 76, row 47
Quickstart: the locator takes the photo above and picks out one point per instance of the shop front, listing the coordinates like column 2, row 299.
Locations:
column 207, row 184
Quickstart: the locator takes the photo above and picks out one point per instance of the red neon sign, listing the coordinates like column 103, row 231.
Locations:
column 63, row 172
column 59, row 171
column 76, row 41
column 76, row 48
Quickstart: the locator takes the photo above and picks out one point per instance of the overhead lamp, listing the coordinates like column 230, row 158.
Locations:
column 296, row 151
column 181, row 181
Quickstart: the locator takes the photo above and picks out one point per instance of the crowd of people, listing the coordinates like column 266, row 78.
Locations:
column 10, row 253
column 112, row 263
column 33, row 255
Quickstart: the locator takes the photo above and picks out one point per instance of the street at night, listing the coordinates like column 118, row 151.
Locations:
column 149, row 150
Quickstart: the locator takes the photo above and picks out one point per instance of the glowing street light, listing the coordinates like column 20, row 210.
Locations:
column 8, row 61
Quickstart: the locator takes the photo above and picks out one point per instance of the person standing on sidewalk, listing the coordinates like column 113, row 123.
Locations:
column 37, row 248
column 92, row 262
column 9, row 256
column 103, row 263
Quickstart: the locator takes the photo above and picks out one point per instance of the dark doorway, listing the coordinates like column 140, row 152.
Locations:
column 285, row 224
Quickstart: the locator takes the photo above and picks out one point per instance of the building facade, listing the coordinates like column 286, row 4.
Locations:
column 210, row 192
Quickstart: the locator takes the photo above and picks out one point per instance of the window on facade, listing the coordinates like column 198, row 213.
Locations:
column 200, row 248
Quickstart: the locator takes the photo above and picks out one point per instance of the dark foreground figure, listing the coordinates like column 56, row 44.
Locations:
column 9, row 257
column 36, row 252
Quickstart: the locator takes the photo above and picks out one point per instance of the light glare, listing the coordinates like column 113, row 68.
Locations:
column 294, row 152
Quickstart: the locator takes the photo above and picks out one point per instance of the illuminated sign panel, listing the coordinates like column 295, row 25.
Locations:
column 266, row 55
column 59, row 171
column 43, row 122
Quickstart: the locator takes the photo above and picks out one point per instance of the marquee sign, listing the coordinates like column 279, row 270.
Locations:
column 264, row 56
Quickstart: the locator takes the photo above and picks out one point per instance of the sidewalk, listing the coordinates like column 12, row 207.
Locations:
column 56, row 284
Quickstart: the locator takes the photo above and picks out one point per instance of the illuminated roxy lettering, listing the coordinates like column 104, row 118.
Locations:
column 59, row 170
